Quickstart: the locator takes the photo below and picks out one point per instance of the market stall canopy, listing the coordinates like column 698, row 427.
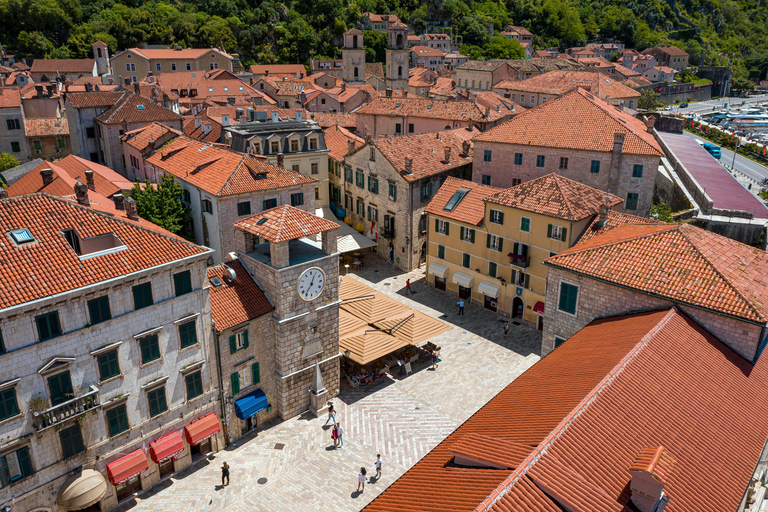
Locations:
column 349, row 323
column 367, row 345
column 127, row 467
column 347, row 239
column 82, row 490
column 413, row 327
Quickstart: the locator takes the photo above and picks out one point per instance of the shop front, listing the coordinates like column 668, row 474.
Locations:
column 199, row 434
column 82, row 491
column 164, row 450
column 249, row 406
column 125, row 472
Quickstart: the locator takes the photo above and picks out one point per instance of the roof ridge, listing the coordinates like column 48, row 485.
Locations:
column 232, row 174
column 565, row 202
column 583, row 405
column 575, row 249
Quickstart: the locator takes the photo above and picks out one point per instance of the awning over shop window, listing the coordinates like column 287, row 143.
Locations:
column 166, row 447
column 202, row 429
column 438, row 270
column 539, row 308
column 462, row 279
column 347, row 239
column 127, row 467
column 250, row 404
column 82, row 490
column 489, row 289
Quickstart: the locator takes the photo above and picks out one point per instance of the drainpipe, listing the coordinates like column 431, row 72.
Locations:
column 410, row 225
column 221, row 383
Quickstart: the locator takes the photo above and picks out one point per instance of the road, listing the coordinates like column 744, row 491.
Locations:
column 706, row 106
column 749, row 167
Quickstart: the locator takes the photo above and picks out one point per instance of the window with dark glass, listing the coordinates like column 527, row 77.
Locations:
column 441, row 252
column 60, row 388
column 157, row 403
column 637, row 171
column 244, row 208
column 150, row 349
column 117, row 420
column 360, row 179
column 194, row 382
column 98, row 309
column 9, row 406
column 14, row 466
column 518, row 159
column 595, row 166
column 182, row 283
column 540, row 159
column 568, row 296
column 48, row 325
column 71, row 441
column 269, row 203
column 631, row 203
column 188, row 334
column 108, row 365
column 297, row 199
column 142, row 295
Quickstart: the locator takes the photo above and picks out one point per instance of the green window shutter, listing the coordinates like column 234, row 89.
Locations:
column 563, row 236
column 488, row 241
column 501, row 217
column 446, row 228
column 245, row 338
column 527, row 280
column 517, row 246
column 235, row 383
column 472, row 235
column 549, row 230
column 461, row 232
column 25, row 462
column 501, row 244
column 437, row 225
column 255, row 374
column 232, row 344
column 429, row 189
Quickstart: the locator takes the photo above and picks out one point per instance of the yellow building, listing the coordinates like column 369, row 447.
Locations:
column 486, row 245
column 137, row 63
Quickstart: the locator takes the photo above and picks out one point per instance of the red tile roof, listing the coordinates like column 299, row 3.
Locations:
column 141, row 137
column 221, row 171
column 426, row 51
column 555, row 196
column 283, row 223
column 136, row 109
column 46, row 126
column 63, row 66
column 680, row 262
column 584, row 122
column 614, row 219
column 337, row 141
column 391, row 18
column 432, row 109
column 670, row 50
column 94, row 99
column 287, row 69
column 561, row 81
column 444, row 86
column 50, row 266
column 10, row 97
column 587, row 410
column 337, row 119
column 625, row 71
column 235, row 302
column 471, row 208
column 170, row 53
column 29, row 91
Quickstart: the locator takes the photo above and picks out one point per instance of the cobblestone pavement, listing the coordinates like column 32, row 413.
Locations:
column 401, row 417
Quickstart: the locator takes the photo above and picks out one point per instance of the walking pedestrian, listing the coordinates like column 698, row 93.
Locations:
column 506, row 329
column 361, row 479
column 224, row 474
column 340, row 432
column 461, row 307
column 331, row 415
column 408, row 286
column 378, row 466
column 435, row 359
column 335, row 435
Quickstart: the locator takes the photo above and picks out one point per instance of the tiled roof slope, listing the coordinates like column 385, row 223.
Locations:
column 94, row 99
column 67, row 172
column 555, row 196
column 561, row 81
column 482, row 65
column 136, row 109
column 427, row 151
column 336, row 119
column 63, row 65
column 221, row 171
column 10, row 97
column 171, row 53
column 584, row 122
column 471, row 208
column 260, row 69
column 337, row 141
column 46, row 126
column 141, row 137
column 614, row 219
column 284, row 223
column 680, row 262
column 238, row 301
column 431, row 109
column 50, row 266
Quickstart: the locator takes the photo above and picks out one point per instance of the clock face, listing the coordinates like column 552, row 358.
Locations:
column 311, row 283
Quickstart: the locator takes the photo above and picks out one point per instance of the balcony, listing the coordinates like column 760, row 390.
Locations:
column 519, row 261
column 67, row 410
column 388, row 233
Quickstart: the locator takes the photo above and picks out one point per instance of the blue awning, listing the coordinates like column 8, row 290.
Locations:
column 250, row 404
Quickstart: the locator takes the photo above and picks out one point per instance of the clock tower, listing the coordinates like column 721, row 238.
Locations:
column 292, row 256
column 353, row 58
column 398, row 56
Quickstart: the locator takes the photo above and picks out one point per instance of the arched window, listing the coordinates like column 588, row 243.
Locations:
column 473, row 84
column 354, row 41
column 399, row 40
column 400, row 71
column 356, row 73
column 447, row 127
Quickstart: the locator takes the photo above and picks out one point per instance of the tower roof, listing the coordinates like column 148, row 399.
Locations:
column 284, row 223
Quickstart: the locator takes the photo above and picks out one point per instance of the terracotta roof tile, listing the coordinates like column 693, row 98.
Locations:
column 444, row 86
column 136, row 109
column 555, row 196
column 49, row 265
column 171, row 53
column 470, row 209
column 46, row 126
column 432, row 109
column 374, row 69
column 337, row 141
column 286, row 69
column 482, row 65
column 680, row 262
column 94, row 99
column 561, row 82
column 284, row 223
column 614, row 219
column 235, row 302
column 426, row 51
column 63, row 66
column 336, row 119
column 10, row 97
column 625, row 71
column 29, row 91
column 584, row 122
column 670, row 50
column 140, row 138
column 392, row 18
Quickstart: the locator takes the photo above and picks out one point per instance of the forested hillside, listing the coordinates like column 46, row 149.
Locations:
column 295, row 30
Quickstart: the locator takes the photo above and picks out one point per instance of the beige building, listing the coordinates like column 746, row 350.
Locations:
column 137, row 63
column 482, row 75
column 426, row 57
column 669, row 56
column 487, row 245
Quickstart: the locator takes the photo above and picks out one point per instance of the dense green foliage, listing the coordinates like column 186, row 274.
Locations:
column 7, row 161
column 162, row 205
column 294, row 30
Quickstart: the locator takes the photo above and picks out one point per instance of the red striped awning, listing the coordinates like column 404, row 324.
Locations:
column 166, row 447
column 127, row 467
column 539, row 307
column 202, row 429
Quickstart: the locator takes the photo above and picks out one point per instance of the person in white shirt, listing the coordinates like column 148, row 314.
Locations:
column 361, row 480
column 340, row 431
column 378, row 466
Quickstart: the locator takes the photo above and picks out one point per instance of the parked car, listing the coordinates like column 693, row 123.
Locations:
column 683, row 105
column 668, row 107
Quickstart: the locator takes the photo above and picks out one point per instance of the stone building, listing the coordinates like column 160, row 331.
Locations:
column 300, row 276
column 107, row 382
column 12, row 138
column 430, row 58
column 378, row 22
column 340, row 142
column 222, row 186
column 50, row 70
column 136, row 63
column 353, row 57
column 197, row 89
column 397, row 56
column 594, row 143
column 388, row 183
column 669, row 56
column 140, row 144
column 631, row 268
column 82, row 109
column 482, row 75
column 338, row 99
column 48, row 137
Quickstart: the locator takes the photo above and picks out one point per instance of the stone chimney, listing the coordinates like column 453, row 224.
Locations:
column 280, row 160
column 487, row 111
column 602, row 217
column 119, row 200
column 447, row 150
column 350, row 145
column 130, row 209
column 125, row 126
column 81, row 193
column 409, row 164
column 368, row 138
column 39, row 90
column 343, row 86
column 405, row 93
column 471, row 124
column 650, row 123
column 388, row 92
column 649, row 473
column 47, row 175
column 89, row 180
column 465, row 146
column 275, row 117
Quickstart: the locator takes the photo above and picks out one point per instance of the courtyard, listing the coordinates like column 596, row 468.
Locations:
column 292, row 465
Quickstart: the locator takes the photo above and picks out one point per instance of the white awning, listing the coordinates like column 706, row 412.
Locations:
column 462, row 279
column 489, row 289
column 438, row 270
column 347, row 239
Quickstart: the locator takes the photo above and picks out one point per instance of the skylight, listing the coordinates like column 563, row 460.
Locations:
column 21, row 236
column 261, row 221
column 140, row 107
column 455, row 199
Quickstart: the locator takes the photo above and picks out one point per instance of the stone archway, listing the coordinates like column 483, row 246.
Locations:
column 518, row 307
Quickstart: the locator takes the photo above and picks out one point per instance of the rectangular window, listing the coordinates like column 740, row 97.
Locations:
column 294, row 145
column 296, row 168
column 15, row 466
column 559, row 341
column 497, row 217
column 637, row 171
column 556, row 232
column 189, row 66
column 442, row 226
column 150, row 349
column 426, row 191
column 9, row 406
column 373, row 185
column 348, row 175
column 205, row 205
column 173, row 66
column 494, row 242
column 71, row 441
column 487, row 155
column 398, row 128
column 60, row 388
column 157, row 403
column 2, row 346
column 595, row 167
column 360, row 179
column 540, row 160
column 441, row 252
column 188, row 334
column 568, row 295
column 312, row 143
column 158, row 67
column 491, row 269
column 486, row 179
column 525, row 224
column 194, row 382
column 182, row 283
column 563, row 163
column 313, row 168
column 244, row 208
column 255, row 373
column 360, row 207
column 275, row 147
column 48, row 325
column 238, row 341
column 467, row 235
column 392, row 192
column 631, row 203
column 410, row 128
column 142, row 295
column 98, row 310
column 373, row 213
column 117, row 420
column 269, row 203
column 518, row 159
column 13, row 124
column 297, row 199
column 108, row 365
column 15, row 147
column 465, row 261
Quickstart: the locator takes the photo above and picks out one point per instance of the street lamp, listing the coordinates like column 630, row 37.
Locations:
column 733, row 163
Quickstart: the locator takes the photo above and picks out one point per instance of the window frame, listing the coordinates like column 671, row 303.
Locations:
column 637, row 171
column 142, row 288
column 52, row 324
column 64, row 397
column 563, row 163
column 562, row 286
column 74, row 441
column 522, row 223
column 487, row 155
column 466, row 260
column 155, row 394
column 493, row 269
column 496, row 217
column 541, row 161
column 632, row 199
column 101, row 362
column 5, row 400
column 297, row 199
column 441, row 252
column 594, row 167
column 518, row 159
column 23, row 464
column 182, row 283
column 144, row 347
column 185, row 334
column 243, row 208
column 113, row 411
column 197, row 376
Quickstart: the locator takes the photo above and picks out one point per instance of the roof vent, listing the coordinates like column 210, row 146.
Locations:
column 230, row 256
column 21, row 236
column 650, row 471
column 229, row 274
column 261, row 221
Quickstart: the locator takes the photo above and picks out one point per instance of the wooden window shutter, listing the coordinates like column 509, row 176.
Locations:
column 461, row 232
column 472, row 235
column 549, row 230
column 501, row 243
column 235, row 383
column 245, row 338
column 232, row 344
column 255, row 374
column 563, row 236
column 488, row 241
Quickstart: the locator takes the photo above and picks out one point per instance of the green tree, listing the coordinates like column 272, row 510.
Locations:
column 561, row 21
column 474, row 30
column 8, row 161
column 500, row 47
column 34, row 44
column 375, row 44
column 649, row 100
column 660, row 211
column 162, row 205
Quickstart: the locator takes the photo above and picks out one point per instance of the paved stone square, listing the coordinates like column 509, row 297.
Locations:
column 402, row 418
